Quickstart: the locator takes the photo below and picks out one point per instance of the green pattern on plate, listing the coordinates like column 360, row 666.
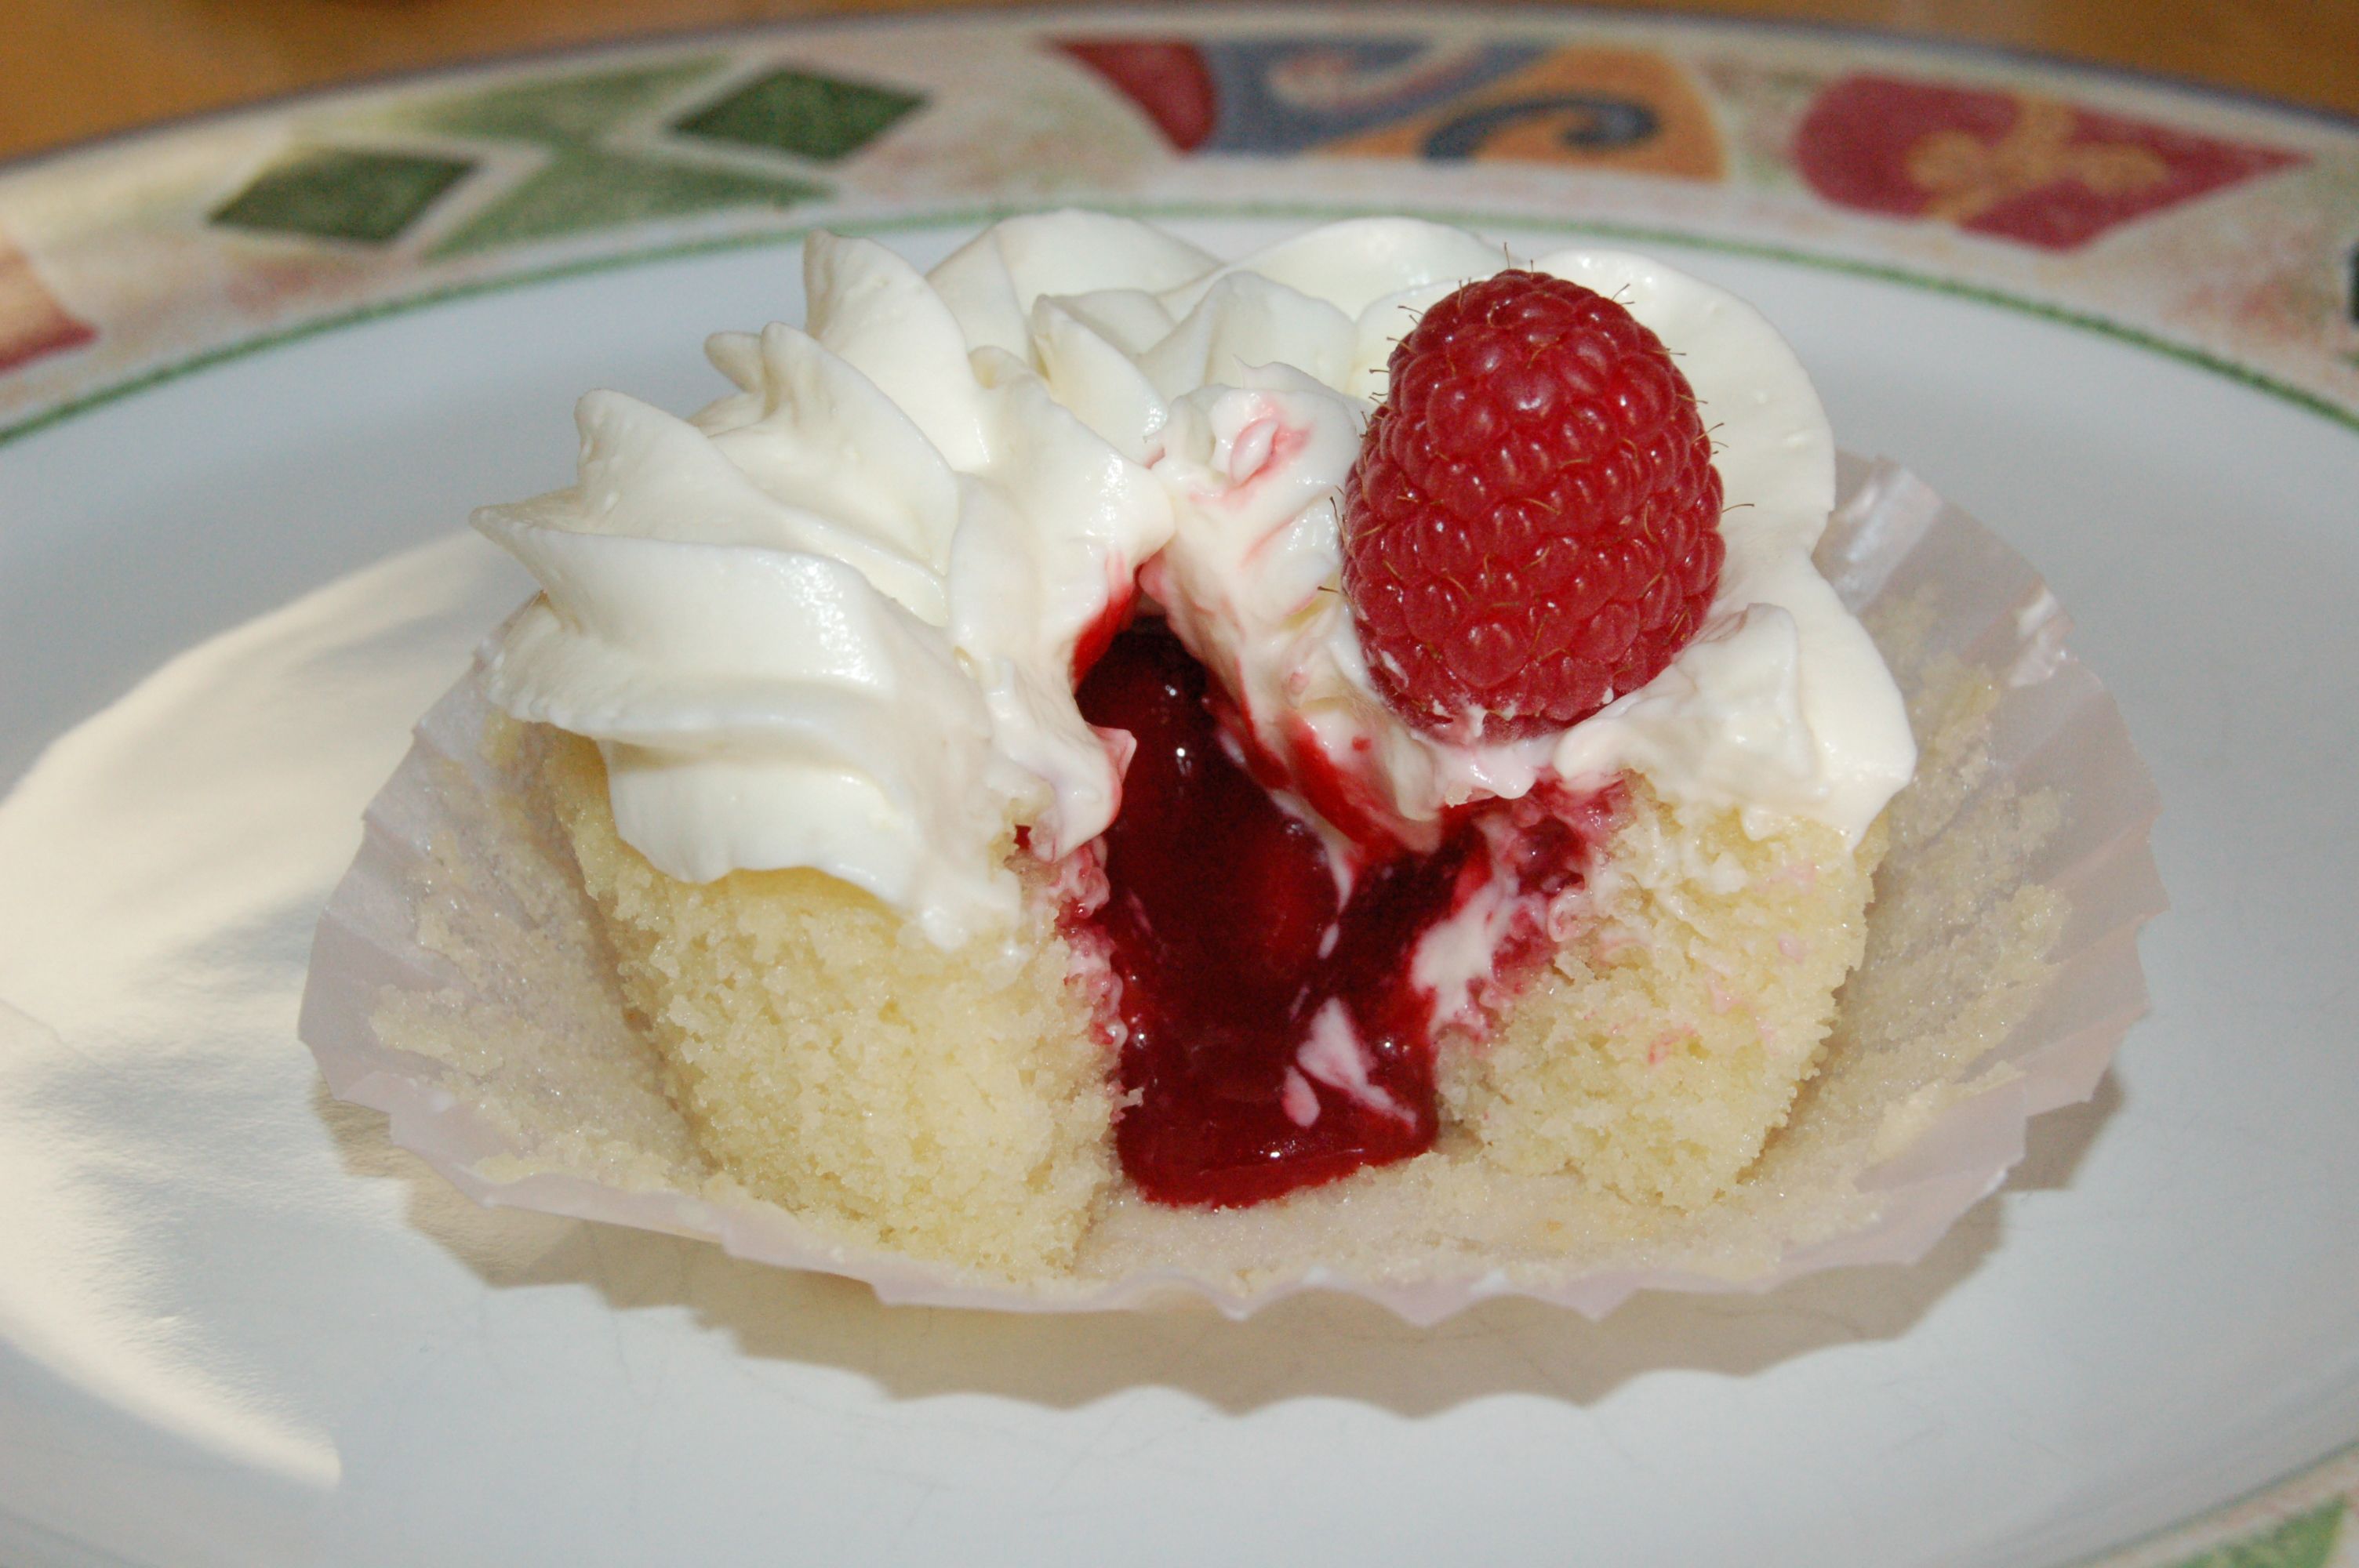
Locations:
column 592, row 189
column 589, row 183
column 562, row 111
column 818, row 117
column 342, row 193
column 2305, row 1541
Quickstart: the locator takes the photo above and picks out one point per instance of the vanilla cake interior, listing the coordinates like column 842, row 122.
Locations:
column 949, row 1105
column 957, row 1105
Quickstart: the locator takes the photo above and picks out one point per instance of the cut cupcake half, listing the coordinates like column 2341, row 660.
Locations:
column 964, row 736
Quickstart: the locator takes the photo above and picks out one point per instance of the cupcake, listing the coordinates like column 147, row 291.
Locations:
column 1097, row 763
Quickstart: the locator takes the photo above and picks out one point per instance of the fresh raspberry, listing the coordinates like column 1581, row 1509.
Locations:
column 1532, row 525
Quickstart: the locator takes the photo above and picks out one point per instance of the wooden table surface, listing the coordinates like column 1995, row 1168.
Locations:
column 72, row 69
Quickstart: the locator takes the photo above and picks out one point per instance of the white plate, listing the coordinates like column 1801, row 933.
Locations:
column 237, row 1326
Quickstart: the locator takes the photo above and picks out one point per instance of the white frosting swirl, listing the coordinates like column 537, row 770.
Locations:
column 831, row 620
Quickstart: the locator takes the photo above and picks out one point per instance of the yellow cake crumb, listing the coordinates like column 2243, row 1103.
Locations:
column 946, row 1105
column 1666, row 1040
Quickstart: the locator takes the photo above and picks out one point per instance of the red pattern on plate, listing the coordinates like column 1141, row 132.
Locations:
column 1165, row 77
column 2013, row 165
column 32, row 322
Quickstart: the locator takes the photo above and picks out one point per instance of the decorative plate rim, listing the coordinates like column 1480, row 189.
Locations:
column 985, row 12
column 623, row 260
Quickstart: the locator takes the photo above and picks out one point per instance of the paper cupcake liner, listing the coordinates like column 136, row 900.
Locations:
column 564, row 1110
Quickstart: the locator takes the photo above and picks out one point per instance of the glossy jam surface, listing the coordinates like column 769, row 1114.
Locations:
column 1274, row 1036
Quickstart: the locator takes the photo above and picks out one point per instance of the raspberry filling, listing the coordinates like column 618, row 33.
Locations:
column 1277, row 1035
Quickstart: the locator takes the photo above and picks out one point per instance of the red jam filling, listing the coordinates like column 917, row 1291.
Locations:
column 1275, row 1038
